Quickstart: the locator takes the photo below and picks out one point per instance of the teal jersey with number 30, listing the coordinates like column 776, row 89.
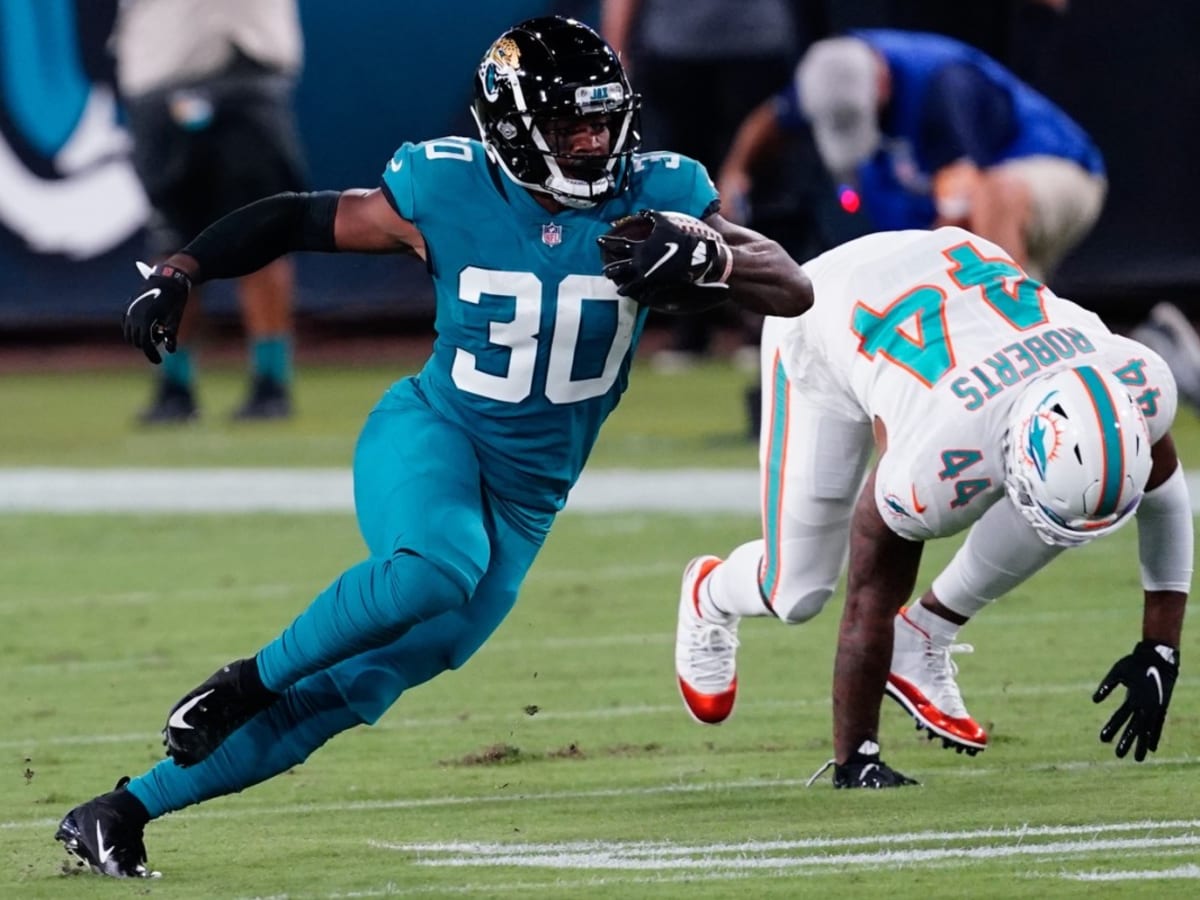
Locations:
column 533, row 343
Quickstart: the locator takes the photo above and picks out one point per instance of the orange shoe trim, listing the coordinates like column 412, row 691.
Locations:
column 706, row 567
column 711, row 709
column 965, row 729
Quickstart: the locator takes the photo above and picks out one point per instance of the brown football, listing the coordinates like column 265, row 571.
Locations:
column 632, row 228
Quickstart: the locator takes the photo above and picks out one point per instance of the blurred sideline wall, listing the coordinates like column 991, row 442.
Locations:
column 377, row 73
column 1130, row 74
column 380, row 72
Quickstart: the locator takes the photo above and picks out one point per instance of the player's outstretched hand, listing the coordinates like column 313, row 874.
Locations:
column 652, row 250
column 153, row 314
column 1149, row 674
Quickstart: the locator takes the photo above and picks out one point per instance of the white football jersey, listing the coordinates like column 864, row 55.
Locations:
column 934, row 333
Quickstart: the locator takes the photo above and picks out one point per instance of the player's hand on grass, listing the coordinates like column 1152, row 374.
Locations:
column 154, row 311
column 1149, row 674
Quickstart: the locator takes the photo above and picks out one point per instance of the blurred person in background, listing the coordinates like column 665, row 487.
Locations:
column 459, row 470
column 1024, row 35
column 927, row 131
column 207, row 86
column 930, row 131
column 701, row 66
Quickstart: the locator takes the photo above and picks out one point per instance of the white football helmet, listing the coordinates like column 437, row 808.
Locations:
column 1077, row 455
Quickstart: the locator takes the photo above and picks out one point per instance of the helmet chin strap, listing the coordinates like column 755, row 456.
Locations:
column 556, row 185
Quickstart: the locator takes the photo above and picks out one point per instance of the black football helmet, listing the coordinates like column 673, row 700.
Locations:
column 539, row 76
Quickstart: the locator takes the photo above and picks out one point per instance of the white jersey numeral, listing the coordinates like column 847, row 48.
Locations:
column 520, row 336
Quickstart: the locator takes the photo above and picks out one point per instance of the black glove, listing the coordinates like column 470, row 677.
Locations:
column 153, row 314
column 652, row 250
column 1149, row 674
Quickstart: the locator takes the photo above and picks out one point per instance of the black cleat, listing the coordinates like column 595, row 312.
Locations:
column 173, row 404
column 106, row 834
column 268, row 399
column 216, row 709
column 864, row 769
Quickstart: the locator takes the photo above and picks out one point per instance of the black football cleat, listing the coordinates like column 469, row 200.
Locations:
column 173, row 404
column 268, row 399
column 229, row 699
column 864, row 769
column 106, row 834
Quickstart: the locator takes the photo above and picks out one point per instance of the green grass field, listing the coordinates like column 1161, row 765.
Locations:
column 559, row 761
column 696, row 419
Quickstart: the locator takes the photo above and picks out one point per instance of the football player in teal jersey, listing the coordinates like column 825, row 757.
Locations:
column 459, row 470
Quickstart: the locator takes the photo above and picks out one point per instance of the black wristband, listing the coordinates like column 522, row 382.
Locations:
column 252, row 236
column 1151, row 648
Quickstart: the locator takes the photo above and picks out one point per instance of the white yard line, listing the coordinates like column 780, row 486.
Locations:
column 563, row 887
column 752, row 859
column 1179, row 872
column 330, row 490
column 67, row 490
column 666, row 849
column 228, row 812
column 661, row 862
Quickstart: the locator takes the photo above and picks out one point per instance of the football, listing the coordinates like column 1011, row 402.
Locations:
column 631, row 228
column 676, row 299
column 637, row 228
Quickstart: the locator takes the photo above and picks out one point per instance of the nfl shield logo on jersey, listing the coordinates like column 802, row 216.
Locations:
column 551, row 235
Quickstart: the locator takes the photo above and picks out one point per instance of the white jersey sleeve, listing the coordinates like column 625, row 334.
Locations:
column 1148, row 378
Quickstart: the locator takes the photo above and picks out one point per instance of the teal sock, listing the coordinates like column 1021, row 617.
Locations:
column 179, row 368
column 271, row 357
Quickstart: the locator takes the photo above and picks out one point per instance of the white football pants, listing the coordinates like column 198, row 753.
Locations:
column 812, row 461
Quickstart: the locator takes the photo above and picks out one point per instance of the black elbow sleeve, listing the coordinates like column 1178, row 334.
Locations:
column 256, row 234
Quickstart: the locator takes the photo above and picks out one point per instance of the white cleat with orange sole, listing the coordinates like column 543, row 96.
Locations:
column 922, row 681
column 705, row 651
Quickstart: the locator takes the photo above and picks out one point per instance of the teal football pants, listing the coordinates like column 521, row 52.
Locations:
column 444, row 571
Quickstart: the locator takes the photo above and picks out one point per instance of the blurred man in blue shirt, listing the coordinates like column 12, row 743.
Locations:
column 931, row 131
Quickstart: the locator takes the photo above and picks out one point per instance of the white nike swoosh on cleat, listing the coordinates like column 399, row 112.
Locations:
column 671, row 249
column 176, row 720
column 1153, row 673
column 103, row 853
column 152, row 293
